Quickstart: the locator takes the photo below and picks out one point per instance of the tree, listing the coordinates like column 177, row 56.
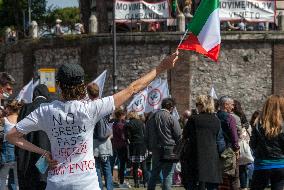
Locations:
column 101, row 9
column 68, row 15
column 102, row 15
column 12, row 13
column 85, row 10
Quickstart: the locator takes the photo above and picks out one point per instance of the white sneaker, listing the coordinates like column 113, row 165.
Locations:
column 124, row 186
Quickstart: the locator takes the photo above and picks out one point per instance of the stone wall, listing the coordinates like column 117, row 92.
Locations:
column 244, row 70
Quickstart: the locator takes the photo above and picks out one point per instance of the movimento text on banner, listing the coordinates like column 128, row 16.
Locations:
column 250, row 10
column 126, row 11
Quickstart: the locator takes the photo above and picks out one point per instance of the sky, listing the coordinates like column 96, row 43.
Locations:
column 63, row 3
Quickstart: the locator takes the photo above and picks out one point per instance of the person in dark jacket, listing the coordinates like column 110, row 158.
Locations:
column 137, row 148
column 267, row 142
column 166, row 132
column 28, row 175
column 119, row 145
column 205, row 143
column 229, row 128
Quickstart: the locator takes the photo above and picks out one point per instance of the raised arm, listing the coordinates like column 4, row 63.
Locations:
column 143, row 82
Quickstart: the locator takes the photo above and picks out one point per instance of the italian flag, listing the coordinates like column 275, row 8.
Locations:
column 205, row 35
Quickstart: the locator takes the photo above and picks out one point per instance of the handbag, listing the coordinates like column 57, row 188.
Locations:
column 245, row 153
column 179, row 148
column 229, row 162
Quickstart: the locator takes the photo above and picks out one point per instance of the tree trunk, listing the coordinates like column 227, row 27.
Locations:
column 85, row 11
column 102, row 16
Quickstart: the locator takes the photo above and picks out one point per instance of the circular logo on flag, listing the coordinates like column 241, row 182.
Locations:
column 138, row 105
column 154, row 97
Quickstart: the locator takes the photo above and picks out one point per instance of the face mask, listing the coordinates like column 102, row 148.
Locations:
column 6, row 95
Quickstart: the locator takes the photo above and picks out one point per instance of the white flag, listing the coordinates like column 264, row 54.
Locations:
column 175, row 114
column 100, row 81
column 155, row 96
column 138, row 104
column 213, row 93
column 26, row 94
column 154, row 83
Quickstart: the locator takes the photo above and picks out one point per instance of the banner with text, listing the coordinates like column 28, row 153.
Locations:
column 125, row 11
column 250, row 10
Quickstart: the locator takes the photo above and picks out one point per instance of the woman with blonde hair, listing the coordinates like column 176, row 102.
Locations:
column 201, row 158
column 137, row 147
column 267, row 142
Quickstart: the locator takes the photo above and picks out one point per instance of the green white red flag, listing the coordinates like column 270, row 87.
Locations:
column 204, row 30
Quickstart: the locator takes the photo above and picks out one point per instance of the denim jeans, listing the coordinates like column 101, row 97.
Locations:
column 244, row 179
column 167, row 169
column 103, row 165
column 4, row 173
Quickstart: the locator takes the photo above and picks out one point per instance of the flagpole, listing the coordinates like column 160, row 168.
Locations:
column 181, row 40
column 114, row 65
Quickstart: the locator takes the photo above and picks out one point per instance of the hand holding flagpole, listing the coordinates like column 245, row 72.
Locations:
column 181, row 40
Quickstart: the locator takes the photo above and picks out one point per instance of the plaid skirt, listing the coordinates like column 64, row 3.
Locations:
column 137, row 153
column 137, row 159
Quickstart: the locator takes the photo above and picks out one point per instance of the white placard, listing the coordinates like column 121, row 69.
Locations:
column 126, row 11
column 250, row 10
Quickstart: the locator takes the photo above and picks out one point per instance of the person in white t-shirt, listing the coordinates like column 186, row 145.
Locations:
column 69, row 125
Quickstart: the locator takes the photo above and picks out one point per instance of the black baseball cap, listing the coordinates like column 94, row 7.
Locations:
column 70, row 74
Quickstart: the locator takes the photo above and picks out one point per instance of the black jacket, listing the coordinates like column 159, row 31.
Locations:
column 26, row 160
column 265, row 148
column 162, row 129
column 201, row 160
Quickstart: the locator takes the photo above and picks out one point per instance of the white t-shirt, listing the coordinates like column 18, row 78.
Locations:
column 7, row 127
column 69, row 126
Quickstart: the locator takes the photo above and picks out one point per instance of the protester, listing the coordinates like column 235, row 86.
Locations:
column 228, row 124
column 137, row 148
column 201, row 158
column 70, row 123
column 267, row 142
column 29, row 176
column 8, row 157
column 255, row 118
column 79, row 28
column 244, row 135
column 163, row 133
column 58, row 28
column 119, row 143
column 102, row 143
column 6, row 82
column 184, row 118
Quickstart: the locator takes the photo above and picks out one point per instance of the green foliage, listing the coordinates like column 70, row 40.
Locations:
column 68, row 15
column 12, row 12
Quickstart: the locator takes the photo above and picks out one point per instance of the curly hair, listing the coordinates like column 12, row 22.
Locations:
column 14, row 105
column 132, row 115
column 206, row 102
column 75, row 92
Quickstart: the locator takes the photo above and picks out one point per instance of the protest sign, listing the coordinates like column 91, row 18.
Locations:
column 250, row 10
column 138, row 104
column 156, row 94
column 126, row 11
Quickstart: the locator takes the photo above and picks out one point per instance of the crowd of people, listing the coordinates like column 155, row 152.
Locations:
column 83, row 140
